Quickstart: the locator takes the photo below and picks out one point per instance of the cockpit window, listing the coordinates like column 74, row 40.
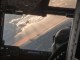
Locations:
column 33, row 32
column 62, row 3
